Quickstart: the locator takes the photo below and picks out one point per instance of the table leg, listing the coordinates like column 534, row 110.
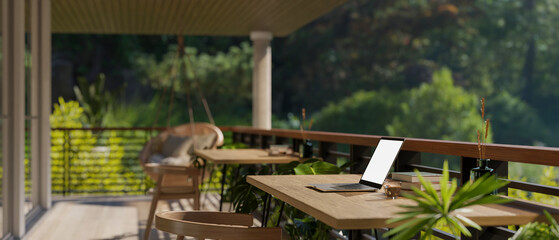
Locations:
column 237, row 172
column 281, row 213
column 355, row 235
column 207, row 188
column 265, row 210
column 223, row 174
column 203, row 169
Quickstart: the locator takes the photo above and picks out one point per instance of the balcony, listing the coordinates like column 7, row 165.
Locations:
column 87, row 182
column 100, row 190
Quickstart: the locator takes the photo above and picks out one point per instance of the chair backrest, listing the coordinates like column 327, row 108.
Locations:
column 200, row 128
column 214, row 225
column 181, row 130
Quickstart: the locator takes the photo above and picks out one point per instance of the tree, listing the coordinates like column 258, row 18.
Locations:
column 225, row 80
column 516, row 122
column 438, row 110
column 363, row 112
column 96, row 101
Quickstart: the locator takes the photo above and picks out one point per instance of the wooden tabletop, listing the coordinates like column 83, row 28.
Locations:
column 243, row 156
column 366, row 210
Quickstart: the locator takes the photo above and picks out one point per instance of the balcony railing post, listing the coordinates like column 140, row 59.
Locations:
column 466, row 163
column 67, row 157
column 265, row 141
column 324, row 149
column 404, row 159
column 281, row 140
column 356, row 154
column 502, row 171
column 237, row 137
column 244, row 138
column 296, row 143
column 253, row 140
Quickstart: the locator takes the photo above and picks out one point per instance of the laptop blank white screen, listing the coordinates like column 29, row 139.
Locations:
column 381, row 161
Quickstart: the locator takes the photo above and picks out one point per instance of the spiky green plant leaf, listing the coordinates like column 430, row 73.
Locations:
column 432, row 207
column 537, row 230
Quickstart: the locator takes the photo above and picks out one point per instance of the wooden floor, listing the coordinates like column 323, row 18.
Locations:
column 104, row 218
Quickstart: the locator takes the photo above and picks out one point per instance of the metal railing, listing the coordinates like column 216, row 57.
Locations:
column 105, row 160
column 98, row 160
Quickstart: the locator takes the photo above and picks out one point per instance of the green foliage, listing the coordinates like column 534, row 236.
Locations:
column 96, row 101
column 307, row 228
column 438, row 110
column 516, row 122
column 545, row 176
column 537, row 230
column 93, row 162
column 434, row 207
column 66, row 114
column 247, row 198
column 316, row 167
column 225, row 80
column 363, row 112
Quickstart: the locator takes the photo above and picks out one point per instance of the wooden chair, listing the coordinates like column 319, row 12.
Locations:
column 173, row 181
column 213, row 225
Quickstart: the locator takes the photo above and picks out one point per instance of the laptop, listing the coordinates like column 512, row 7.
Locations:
column 378, row 168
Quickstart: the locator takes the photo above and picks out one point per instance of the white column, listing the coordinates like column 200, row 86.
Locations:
column 40, row 102
column 262, row 80
column 13, row 106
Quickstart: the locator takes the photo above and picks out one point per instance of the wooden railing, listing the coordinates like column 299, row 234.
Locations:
column 360, row 148
column 328, row 145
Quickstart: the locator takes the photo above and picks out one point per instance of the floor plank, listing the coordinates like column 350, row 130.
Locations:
column 107, row 218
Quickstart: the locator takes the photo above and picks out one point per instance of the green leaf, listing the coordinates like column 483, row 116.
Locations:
column 468, row 221
column 316, row 168
column 322, row 167
column 554, row 227
column 303, row 169
column 284, row 169
column 408, row 229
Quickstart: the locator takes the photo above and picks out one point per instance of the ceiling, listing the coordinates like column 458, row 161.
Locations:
column 186, row 17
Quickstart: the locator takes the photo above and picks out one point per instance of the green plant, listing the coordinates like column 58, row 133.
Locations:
column 316, row 167
column 95, row 100
column 483, row 133
column 307, row 228
column 433, row 208
column 66, row 114
column 247, row 198
column 537, row 230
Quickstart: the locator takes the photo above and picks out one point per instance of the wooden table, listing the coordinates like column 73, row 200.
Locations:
column 367, row 210
column 241, row 156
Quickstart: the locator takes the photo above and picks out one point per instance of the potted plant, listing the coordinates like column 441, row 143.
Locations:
column 482, row 137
